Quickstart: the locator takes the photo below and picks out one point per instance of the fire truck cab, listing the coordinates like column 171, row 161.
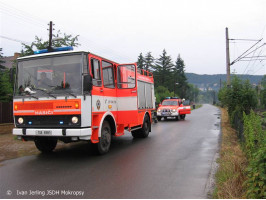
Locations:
column 172, row 107
column 76, row 95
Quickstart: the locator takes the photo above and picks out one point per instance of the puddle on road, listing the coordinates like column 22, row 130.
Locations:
column 216, row 132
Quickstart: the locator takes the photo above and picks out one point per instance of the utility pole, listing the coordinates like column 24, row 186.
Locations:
column 227, row 58
column 50, row 36
column 220, row 83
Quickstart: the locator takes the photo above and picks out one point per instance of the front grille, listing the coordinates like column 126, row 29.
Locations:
column 35, row 106
column 55, row 121
column 166, row 110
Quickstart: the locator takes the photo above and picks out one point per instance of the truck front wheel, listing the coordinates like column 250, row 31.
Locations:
column 183, row 117
column 45, row 145
column 159, row 118
column 144, row 131
column 104, row 143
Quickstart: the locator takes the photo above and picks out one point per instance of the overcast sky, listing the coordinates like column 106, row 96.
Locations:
column 120, row 29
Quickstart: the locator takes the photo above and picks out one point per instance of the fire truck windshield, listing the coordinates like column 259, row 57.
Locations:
column 169, row 103
column 49, row 76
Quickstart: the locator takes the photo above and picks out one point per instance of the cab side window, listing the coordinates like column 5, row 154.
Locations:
column 96, row 72
column 108, row 75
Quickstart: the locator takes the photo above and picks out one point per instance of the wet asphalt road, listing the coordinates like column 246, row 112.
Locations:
column 173, row 162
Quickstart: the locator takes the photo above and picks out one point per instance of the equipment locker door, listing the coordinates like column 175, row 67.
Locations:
column 127, row 102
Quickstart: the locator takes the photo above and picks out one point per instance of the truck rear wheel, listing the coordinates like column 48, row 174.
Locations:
column 144, row 131
column 104, row 143
column 45, row 145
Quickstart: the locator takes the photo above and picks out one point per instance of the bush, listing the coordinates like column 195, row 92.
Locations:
column 162, row 92
column 240, row 96
column 255, row 148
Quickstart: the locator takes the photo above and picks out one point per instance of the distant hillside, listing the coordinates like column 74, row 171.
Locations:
column 213, row 81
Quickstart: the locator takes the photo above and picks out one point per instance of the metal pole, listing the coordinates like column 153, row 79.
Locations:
column 50, row 36
column 227, row 57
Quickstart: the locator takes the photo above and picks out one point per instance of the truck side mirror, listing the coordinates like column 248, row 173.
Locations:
column 160, row 104
column 87, row 83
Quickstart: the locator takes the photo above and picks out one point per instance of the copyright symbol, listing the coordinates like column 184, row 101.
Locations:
column 9, row 192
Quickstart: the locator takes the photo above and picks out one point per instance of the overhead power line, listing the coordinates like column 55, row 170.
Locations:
column 245, row 39
column 15, row 40
column 240, row 57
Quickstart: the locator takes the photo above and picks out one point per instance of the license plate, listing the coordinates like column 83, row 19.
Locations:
column 165, row 113
column 43, row 132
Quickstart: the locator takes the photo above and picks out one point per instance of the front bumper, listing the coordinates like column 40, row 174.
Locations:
column 167, row 114
column 83, row 134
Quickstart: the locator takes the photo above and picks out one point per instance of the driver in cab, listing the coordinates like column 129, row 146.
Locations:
column 44, row 82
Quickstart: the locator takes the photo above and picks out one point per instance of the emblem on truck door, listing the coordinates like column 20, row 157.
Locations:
column 98, row 104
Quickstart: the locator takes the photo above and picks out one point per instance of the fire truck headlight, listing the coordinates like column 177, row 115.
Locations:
column 75, row 120
column 159, row 110
column 173, row 110
column 20, row 120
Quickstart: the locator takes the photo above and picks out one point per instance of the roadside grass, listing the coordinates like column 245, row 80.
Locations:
column 230, row 175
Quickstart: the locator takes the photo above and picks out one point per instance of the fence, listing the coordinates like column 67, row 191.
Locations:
column 6, row 112
column 238, row 124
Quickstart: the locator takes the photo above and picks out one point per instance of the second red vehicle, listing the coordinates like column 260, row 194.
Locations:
column 172, row 107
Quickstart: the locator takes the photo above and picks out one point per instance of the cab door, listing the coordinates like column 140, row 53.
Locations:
column 109, row 89
column 127, row 99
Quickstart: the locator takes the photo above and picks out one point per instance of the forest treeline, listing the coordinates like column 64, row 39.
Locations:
column 169, row 76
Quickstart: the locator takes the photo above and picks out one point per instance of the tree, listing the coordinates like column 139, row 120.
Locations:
column 1, row 60
column 180, row 78
column 162, row 92
column 149, row 61
column 240, row 97
column 162, row 70
column 39, row 43
column 193, row 93
column 6, row 89
column 141, row 61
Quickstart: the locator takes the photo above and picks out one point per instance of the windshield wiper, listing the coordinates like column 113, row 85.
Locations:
column 43, row 90
column 29, row 94
column 70, row 93
column 73, row 95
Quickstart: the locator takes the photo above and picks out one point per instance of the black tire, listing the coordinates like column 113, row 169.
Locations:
column 144, row 131
column 177, row 118
column 159, row 118
column 103, row 146
column 45, row 145
column 183, row 117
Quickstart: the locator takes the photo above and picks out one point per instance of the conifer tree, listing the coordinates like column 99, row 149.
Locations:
column 141, row 61
column 149, row 62
column 180, row 78
column 163, row 69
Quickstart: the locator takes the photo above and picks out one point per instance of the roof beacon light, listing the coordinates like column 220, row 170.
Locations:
column 54, row 50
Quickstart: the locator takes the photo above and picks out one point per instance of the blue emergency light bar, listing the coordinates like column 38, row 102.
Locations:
column 172, row 98
column 54, row 50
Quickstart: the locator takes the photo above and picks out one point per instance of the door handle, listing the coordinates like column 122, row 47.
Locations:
column 101, row 90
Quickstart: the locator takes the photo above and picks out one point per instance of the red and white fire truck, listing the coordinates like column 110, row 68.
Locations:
column 76, row 95
column 172, row 107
